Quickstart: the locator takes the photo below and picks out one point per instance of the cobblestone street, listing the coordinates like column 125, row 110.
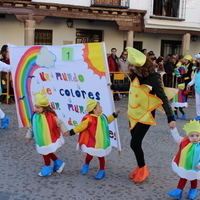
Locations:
column 20, row 164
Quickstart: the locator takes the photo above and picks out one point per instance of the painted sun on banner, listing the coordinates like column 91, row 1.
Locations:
column 67, row 75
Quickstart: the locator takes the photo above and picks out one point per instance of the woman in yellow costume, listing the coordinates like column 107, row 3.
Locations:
column 142, row 104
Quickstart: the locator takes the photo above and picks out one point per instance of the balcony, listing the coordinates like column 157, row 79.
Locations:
column 110, row 3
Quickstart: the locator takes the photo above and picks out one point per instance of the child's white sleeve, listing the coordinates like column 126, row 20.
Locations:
column 29, row 133
column 4, row 67
column 192, row 82
column 176, row 135
column 61, row 125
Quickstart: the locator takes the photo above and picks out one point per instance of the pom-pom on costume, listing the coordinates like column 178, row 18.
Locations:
column 46, row 129
column 94, row 137
column 186, row 160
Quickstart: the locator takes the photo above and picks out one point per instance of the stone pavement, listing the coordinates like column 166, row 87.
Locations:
column 20, row 164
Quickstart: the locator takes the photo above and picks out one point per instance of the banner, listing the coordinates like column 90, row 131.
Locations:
column 67, row 74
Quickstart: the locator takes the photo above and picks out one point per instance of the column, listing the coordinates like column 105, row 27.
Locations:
column 130, row 39
column 186, row 44
column 29, row 32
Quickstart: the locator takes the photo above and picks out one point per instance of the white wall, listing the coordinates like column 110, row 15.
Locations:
column 111, row 36
column 140, row 4
column 12, row 31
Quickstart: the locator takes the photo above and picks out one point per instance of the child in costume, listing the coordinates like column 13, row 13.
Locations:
column 94, row 138
column 4, row 120
column 186, row 163
column 196, row 82
column 180, row 101
column 46, row 129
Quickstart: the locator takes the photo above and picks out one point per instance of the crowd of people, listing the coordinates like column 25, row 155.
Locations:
column 176, row 72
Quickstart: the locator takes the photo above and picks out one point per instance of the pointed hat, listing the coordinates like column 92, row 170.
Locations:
column 136, row 57
column 91, row 104
column 41, row 100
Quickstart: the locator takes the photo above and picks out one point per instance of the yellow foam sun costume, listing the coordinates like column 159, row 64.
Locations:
column 141, row 103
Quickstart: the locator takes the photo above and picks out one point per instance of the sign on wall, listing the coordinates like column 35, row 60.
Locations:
column 67, row 75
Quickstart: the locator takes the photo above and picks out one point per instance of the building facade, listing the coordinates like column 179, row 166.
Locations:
column 164, row 26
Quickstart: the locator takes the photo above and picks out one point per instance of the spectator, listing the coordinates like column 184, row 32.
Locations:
column 160, row 65
column 169, row 66
column 144, row 51
column 123, row 62
column 113, row 64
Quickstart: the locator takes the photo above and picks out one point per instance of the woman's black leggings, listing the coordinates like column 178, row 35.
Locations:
column 138, row 133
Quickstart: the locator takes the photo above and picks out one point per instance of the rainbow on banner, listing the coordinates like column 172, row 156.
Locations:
column 23, row 76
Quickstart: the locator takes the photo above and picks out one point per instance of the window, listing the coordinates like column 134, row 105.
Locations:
column 170, row 47
column 168, row 8
column 86, row 36
column 136, row 44
column 43, row 37
column 111, row 3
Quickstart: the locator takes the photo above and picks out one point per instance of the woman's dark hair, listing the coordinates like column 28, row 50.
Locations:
column 147, row 69
column 123, row 53
column 159, row 60
column 4, row 48
column 49, row 109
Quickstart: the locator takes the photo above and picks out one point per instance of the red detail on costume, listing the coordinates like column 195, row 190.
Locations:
column 87, row 136
column 55, row 131
column 183, row 143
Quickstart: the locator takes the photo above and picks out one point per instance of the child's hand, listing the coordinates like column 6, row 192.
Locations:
column 172, row 125
column 109, row 84
column 198, row 167
column 28, row 140
column 67, row 134
column 117, row 112
column 188, row 87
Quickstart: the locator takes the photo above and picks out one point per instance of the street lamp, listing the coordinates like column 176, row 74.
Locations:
column 194, row 38
column 69, row 23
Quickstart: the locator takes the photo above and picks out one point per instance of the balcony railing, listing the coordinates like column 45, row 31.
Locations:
column 110, row 3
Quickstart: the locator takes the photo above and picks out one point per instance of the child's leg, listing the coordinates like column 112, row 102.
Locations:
column 88, row 158
column 194, row 184
column 177, row 193
column 102, row 163
column 176, row 111
column 183, row 113
column 181, row 183
column 85, row 167
column 101, row 172
column 4, row 120
column 58, row 164
column 197, row 99
column 2, row 114
column 192, row 194
column 53, row 156
column 181, row 110
column 47, row 160
column 46, row 170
